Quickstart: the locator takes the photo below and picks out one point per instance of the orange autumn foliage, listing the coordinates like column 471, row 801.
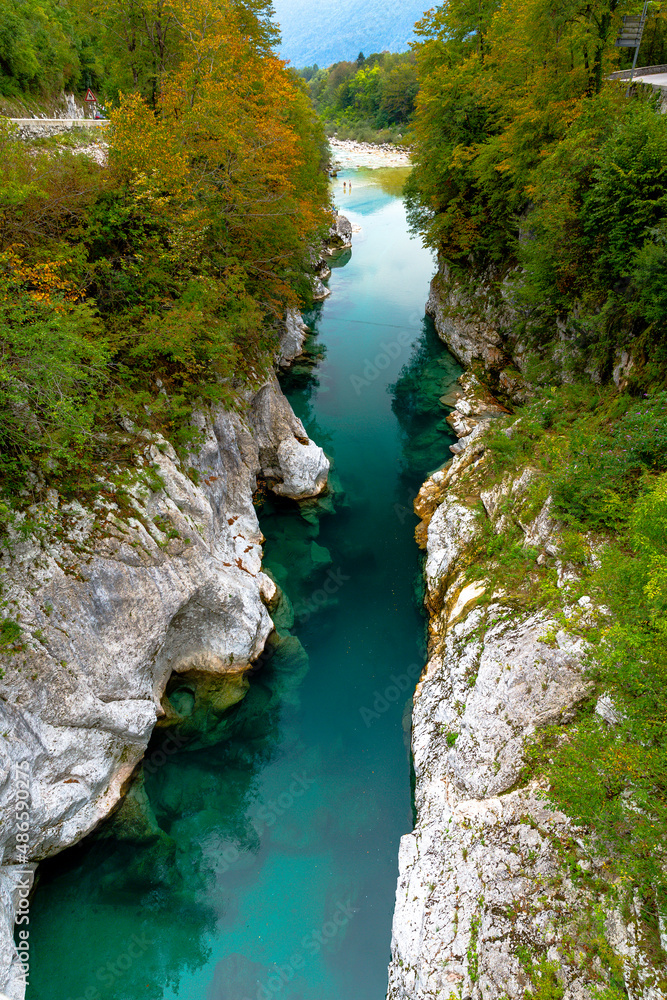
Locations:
column 46, row 281
column 225, row 145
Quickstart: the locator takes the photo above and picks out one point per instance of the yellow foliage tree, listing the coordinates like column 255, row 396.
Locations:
column 224, row 148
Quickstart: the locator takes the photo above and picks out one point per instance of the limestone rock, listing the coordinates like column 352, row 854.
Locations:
column 469, row 331
column 304, row 468
column 622, row 369
column 164, row 577
column 474, row 409
column 474, row 874
column 322, row 269
column 480, row 326
column 292, row 338
column 340, row 233
column 607, row 710
column 320, row 290
column 450, row 530
column 296, row 466
column 482, row 883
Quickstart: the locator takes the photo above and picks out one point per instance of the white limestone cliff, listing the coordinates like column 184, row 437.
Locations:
column 162, row 575
column 498, row 896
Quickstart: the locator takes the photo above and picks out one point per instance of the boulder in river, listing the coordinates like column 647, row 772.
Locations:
column 340, row 234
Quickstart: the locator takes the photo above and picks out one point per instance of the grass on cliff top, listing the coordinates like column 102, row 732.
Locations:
column 602, row 456
column 598, row 451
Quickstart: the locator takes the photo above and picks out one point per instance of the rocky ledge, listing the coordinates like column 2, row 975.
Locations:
column 478, row 320
column 498, row 897
column 162, row 577
column 339, row 236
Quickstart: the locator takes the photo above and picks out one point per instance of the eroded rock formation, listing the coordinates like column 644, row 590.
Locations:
column 162, row 577
column 499, row 897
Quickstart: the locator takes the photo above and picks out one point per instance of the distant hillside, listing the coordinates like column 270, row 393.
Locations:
column 326, row 31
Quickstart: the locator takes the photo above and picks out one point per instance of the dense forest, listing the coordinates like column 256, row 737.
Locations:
column 370, row 99
column 131, row 291
column 543, row 188
column 111, row 45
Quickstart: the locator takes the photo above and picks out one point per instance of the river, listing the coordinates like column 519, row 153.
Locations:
column 271, row 869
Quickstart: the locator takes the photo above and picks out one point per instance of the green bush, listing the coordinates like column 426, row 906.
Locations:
column 628, row 192
column 53, row 372
column 126, row 304
column 649, row 277
column 604, row 469
column 611, row 776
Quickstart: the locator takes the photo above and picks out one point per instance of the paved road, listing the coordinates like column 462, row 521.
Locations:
column 657, row 79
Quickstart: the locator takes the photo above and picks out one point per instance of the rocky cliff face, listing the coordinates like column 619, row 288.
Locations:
column 164, row 577
column 498, row 897
column 479, row 323
column 472, row 328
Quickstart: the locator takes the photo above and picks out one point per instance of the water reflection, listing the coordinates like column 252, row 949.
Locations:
column 258, row 857
column 429, row 374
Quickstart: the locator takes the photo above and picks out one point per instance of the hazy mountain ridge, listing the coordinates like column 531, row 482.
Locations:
column 315, row 31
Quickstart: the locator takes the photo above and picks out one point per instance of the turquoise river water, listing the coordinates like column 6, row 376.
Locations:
column 268, row 868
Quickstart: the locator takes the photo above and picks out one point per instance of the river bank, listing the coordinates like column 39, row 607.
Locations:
column 349, row 155
column 114, row 607
column 501, row 895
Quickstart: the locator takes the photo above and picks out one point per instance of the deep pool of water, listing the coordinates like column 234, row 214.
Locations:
column 269, row 867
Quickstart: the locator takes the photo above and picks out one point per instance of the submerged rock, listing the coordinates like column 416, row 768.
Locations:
column 163, row 579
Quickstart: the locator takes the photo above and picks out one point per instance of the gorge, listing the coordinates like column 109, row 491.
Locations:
column 253, row 852
column 268, row 841
column 333, row 503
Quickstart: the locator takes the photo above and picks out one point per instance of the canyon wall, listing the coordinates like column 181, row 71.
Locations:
column 161, row 577
column 499, row 896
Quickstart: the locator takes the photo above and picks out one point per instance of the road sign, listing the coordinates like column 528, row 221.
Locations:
column 90, row 97
column 630, row 37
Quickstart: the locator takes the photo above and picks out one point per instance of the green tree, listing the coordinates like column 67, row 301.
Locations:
column 38, row 47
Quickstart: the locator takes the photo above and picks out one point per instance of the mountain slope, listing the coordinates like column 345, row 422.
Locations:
column 317, row 31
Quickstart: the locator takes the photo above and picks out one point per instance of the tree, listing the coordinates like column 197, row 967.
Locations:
column 157, row 284
column 226, row 145
column 36, row 50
